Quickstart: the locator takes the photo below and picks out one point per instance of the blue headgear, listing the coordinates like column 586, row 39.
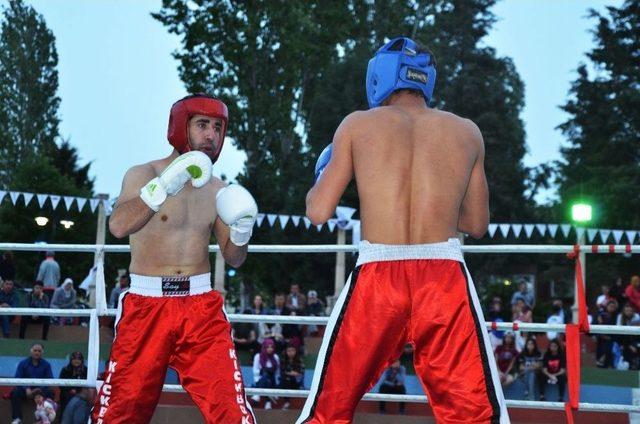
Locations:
column 398, row 65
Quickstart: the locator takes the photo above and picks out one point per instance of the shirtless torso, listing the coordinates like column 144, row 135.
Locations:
column 419, row 173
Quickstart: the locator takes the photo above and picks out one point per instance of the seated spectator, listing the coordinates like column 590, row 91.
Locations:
column 245, row 337
column 530, row 363
column 524, row 294
column 7, row 269
column 36, row 299
column 45, row 408
column 604, row 298
column 494, row 314
column 604, row 342
column 315, row 308
column 279, row 305
column 292, row 333
column 266, row 367
column 64, row 297
column 296, row 301
column 628, row 343
column 556, row 317
column 270, row 331
column 121, row 286
column 554, row 370
column 79, row 407
column 506, row 355
column 258, row 307
column 35, row 366
column 291, row 371
column 632, row 292
column 393, row 383
column 8, row 299
column 521, row 313
column 617, row 291
column 74, row 370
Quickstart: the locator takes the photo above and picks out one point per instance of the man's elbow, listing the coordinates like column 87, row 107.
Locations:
column 317, row 216
column 476, row 228
column 117, row 229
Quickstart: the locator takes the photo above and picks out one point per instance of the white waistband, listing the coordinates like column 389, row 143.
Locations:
column 176, row 285
column 369, row 252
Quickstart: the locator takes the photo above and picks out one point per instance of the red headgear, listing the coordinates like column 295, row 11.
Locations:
column 187, row 107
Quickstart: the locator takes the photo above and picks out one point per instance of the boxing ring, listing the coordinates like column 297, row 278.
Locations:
column 573, row 357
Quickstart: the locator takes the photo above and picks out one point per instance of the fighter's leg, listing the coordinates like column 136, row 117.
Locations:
column 453, row 356
column 206, row 363
column 366, row 332
column 137, row 364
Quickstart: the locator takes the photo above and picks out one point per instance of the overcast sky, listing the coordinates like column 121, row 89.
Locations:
column 118, row 78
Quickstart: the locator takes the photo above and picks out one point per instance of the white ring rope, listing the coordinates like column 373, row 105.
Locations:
column 100, row 310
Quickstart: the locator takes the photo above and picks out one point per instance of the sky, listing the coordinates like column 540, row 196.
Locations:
column 118, row 78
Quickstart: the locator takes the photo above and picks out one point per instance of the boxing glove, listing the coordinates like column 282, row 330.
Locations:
column 194, row 166
column 322, row 162
column 237, row 208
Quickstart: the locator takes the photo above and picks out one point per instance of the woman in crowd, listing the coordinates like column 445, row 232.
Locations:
column 554, row 370
column 64, row 297
column 506, row 355
column 530, row 362
column 628, row 343
column 76, row 370
column 604, row 342
column 266, row 367
column 292, row 371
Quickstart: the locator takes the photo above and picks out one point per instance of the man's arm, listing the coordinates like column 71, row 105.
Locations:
column 474, row 211
column 131, row 213
column 324, row 196
column 232, row 254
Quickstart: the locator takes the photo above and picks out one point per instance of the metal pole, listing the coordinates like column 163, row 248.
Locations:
column 340, row 267
column 218, row 274
column 101, row 236
column 582, row 238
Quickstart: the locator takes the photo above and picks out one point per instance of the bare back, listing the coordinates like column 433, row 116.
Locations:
column 175, row 240
column 419, row 173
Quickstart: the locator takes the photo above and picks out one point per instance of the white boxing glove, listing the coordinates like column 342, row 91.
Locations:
column 194, row 166
column 237, row 208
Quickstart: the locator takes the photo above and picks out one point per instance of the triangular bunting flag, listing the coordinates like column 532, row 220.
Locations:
column 542, row 229
column 27, row 198
column 528, row 229
column 93, row 203
column 517, row 229
column 553, row 229
column 605, row 235
column 283, row 220
column 307, row 222
column 319, row 227
column 80, row 202
column 591, row 234
column 580, row 232
column 492, row 229
column 566, row 228
column 55, row 199
column 68, row 201
column 631, row 236
column 271, row 218
column 617, row 235
column 2, row 194
column 41, row 199
column 295, row 219
column 504, row 229
column 332, row 224
column 14, row 196
column 106, row 203
column 259, row 219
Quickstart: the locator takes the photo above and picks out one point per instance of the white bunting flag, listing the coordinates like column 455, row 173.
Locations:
column 617, row 235
column 259, row 219
column 307, row 222
column 332, row 224
column 566, row 228
column 2, row 194
column 319, row 227
column 271, row 218
column 553, row 229
column 27, row 198
column 68, row 202
column 605, row 235
column 542, row 229
column 80, row 202
column 93, row 203
column 504, row 229
column 591, row 234
column 631, row 236
column 517, row 229
column 55, row 199
column 283, row 220
column 41, row 199
column 528, row 229
column 15, row 195
column 295, row 219
column 580, row 232
column 106, row 203
column 492, row 229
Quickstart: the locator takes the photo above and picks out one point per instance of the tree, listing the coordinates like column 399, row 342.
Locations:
column 28, row 85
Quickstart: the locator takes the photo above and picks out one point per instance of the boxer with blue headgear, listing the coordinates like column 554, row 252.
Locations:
column 420, row 177
column 400, row 64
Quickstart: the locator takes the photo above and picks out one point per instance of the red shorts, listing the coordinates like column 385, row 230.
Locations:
column 178, row 323
column 418, row 294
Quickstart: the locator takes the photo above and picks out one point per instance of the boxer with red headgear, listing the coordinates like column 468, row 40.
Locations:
column 170, row 316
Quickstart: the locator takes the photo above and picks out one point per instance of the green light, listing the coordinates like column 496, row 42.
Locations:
column 581, row 212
